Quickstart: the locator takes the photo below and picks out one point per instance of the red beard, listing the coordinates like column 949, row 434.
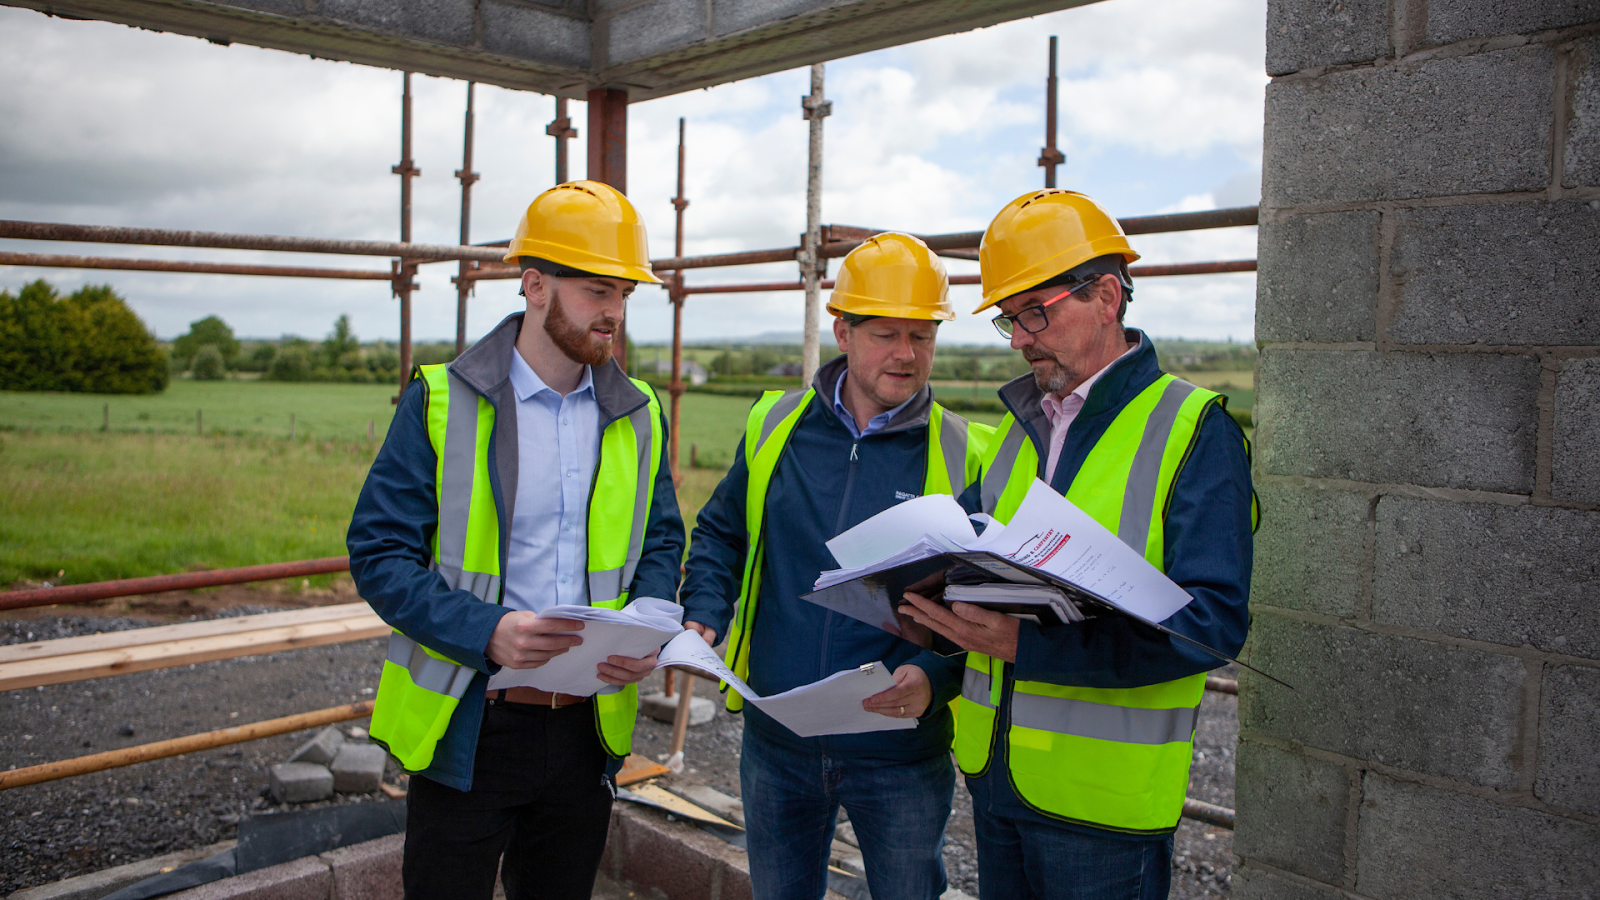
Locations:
column 578, row 342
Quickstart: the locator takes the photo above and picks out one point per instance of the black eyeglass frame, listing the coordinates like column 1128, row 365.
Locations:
column 1007, row 324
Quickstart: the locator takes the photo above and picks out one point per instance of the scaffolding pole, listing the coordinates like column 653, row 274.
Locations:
column 608, row 164
column 1049, row 156
column 468, row 177
column 814, row 107
column 561, row 129
column 405, row 269
column 675, row 294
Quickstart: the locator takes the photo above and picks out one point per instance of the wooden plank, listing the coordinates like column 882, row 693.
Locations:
column 637, row 768
column 112, row 640
column 166, row 654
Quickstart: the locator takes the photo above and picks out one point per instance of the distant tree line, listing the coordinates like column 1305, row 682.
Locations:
column 209, row 351
column 88, row 341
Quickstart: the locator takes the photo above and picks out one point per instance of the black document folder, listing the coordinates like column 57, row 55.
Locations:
column 875, row 598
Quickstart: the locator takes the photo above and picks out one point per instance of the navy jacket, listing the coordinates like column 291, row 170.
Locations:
column 391, row 531
column 1208, row 553
column 825, row 482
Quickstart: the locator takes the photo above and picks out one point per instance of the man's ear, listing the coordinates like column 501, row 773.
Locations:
column 1108, row 293
column 841, row 334
column 533, row 285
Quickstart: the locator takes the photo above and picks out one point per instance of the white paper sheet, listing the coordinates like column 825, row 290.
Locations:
column 1050, row 533
column 935, row 516
column 829, row 706
column 634, row 631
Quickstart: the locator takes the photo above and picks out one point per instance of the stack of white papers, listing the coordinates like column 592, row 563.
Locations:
column 829, row 706
column 635, row 631
column 1019, row 600
column 1048, row 533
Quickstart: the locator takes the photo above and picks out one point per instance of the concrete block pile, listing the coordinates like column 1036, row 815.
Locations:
column 328, row 764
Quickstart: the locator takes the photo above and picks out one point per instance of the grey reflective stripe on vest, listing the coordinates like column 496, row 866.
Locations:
column 455, row 482
column 999, row 474
column 779, row 411
column 1139, row 497
column 1124, row 724
column 953, row 444
column 482, row 585
column 975, row 686
column 428, row 672
column 609, row 584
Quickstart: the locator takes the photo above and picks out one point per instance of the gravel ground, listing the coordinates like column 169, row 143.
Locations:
column 73, row 826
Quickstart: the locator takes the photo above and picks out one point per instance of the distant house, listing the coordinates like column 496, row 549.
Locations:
column 785, row 370
column 693, row 372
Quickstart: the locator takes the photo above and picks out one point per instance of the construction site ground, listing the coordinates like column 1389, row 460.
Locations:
column 74, row 826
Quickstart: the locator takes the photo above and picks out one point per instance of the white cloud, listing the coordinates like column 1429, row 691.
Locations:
column 1160, row 109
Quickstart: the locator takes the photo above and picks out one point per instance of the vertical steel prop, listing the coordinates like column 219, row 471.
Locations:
column 464, row 285
column 404, row 270
column 1049, row 156
column 608, row 164
column 561, row 129
column 676, row 295
column 814, row 108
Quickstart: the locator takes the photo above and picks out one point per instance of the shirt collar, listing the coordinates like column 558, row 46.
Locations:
column 527, row 382
column 849, row 419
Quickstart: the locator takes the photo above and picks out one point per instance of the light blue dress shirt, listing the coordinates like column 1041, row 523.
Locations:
column 558, row 447
column 874, row 424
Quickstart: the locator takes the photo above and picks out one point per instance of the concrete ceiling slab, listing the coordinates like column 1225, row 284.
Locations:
column 651, row 48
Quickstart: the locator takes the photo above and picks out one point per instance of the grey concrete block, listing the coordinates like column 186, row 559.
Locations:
column 1318, row 278
column 1413, row 704
column 1440, row 420
column 1575, row 457
column 1583, row 128
column 436, row 21
column 1254, row 884
column 1455, row 20
column 1306, row 33
column 535, row 34
column 662, row 708
column 303, row 879
column 661, row 26
column 300, row 782
column 728, row 16
column 1464, row 125
column 369, row 870
column 358, row 769
column 1292, row 811
column 1569, row 751
column 321, row 749
column 293, row 8
column 1419, row 841
column 1524, row 273
column 1514, row 575
column 1311, row 552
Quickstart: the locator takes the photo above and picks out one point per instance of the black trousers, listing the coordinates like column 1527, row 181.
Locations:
column 538, row 809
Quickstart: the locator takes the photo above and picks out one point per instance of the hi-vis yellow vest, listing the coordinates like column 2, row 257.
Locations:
column 955, row 452
column 1114, row 758
column 420, row 689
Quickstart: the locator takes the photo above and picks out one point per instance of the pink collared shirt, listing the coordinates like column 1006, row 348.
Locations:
column 1062, row 412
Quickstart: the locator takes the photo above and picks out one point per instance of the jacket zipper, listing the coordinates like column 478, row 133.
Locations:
column 849, row 486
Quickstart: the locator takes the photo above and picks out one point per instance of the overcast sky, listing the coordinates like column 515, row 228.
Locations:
column 1161, row 105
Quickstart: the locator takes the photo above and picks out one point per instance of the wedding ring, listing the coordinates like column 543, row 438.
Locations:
column 902, row 712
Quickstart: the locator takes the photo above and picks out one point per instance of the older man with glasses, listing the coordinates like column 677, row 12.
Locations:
column 1075, row 739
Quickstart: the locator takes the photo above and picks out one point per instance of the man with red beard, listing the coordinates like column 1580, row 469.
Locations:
column 530, row 472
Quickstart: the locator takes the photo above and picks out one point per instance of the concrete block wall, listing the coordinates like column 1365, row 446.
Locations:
column 1428, row 456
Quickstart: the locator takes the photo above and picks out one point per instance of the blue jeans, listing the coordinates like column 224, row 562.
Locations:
column 792, row 799
column 1021, row 859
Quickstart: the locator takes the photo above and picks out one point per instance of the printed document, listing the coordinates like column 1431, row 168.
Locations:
column 829, row 706
column 635, row 631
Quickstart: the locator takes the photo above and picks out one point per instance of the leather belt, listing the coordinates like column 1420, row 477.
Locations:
column 529, row 696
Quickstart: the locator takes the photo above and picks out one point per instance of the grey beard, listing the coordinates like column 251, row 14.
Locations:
column 1054, row 382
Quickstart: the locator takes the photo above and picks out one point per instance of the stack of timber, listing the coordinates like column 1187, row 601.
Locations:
column 165, row 646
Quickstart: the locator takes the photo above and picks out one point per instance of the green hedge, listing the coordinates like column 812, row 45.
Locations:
column 88, row 341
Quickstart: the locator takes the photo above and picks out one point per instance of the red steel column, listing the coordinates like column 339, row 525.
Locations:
column 608, row 164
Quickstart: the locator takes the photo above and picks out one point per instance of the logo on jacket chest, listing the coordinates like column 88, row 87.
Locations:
column 902, row 495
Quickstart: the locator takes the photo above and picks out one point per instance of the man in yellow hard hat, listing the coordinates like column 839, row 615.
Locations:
column 863, row 437
column 1075, row 739
column 528, row 473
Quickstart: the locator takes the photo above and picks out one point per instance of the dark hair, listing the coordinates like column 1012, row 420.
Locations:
column 854, row 319
column 553, row 268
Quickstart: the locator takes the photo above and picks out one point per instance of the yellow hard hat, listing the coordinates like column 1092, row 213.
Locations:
column 1042, row 234
column 588, row 226
column 893, row 275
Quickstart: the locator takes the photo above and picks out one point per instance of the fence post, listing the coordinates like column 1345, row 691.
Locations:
column 105, row 422
column 199, row 429
column 291, row 426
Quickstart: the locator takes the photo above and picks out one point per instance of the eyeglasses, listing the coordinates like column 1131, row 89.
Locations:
column 1034, row 319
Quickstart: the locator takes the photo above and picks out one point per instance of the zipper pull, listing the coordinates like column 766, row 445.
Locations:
column 853, row 451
